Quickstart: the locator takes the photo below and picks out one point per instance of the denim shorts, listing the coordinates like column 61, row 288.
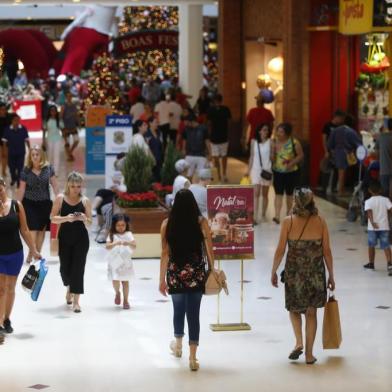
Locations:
column 375, row 235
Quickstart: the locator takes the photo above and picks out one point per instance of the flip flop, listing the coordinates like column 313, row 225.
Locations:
column 312, row 362
column 295, row 354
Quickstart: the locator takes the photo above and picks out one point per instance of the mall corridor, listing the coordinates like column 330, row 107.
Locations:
column 106, row 348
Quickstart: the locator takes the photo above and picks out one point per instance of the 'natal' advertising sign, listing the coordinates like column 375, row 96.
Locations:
column 230, row 216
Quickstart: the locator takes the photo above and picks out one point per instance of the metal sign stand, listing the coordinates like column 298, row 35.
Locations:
column 241, row 326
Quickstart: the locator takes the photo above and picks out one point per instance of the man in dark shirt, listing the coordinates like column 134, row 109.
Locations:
column 218, row 122
column 196, row 144
column 384, row 149
column 5, row 121
column 16, row 137
column 337, row 120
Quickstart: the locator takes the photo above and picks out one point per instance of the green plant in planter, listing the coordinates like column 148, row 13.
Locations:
column 137, row 170
column 168, row 171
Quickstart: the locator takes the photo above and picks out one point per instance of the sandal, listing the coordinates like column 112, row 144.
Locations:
column 276, row 220
column 312, row 362
column 126, row 306
column 295, row 354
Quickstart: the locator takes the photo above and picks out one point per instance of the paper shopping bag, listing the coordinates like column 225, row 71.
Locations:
column 332, row 333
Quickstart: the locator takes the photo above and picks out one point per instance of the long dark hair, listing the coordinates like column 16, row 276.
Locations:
column 183, row 231
column 259, row 128
column 48, row 117
column 118, row 218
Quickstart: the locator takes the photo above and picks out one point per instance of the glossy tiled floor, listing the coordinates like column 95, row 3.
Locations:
column 108, row 349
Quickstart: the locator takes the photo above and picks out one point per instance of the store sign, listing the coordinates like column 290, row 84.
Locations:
column 230, row 216
column 355, row 16
column 147, row 40
column 30, row 113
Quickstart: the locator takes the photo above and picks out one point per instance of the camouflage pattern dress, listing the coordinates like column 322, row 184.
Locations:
column 305, row 282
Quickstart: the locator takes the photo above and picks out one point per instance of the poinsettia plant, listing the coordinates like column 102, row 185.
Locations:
column 162, row 190
column 137, row 200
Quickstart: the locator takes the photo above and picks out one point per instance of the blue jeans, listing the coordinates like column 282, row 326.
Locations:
column 187, row 304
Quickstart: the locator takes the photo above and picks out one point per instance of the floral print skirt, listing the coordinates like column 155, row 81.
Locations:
column 305, row 282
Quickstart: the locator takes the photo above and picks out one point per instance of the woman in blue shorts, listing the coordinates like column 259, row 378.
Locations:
column 12, row 225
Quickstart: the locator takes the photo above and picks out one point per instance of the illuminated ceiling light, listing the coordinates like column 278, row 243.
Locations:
column 276, row 64
column 76, row 1
column 29, row 18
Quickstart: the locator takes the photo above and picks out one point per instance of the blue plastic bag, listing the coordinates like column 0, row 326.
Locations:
column 43, row 270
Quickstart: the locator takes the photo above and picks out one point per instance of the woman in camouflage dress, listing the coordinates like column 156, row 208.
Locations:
column 307, row 237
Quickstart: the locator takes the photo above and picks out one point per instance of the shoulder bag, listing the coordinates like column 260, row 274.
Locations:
column 216, row 281
column 265, row 175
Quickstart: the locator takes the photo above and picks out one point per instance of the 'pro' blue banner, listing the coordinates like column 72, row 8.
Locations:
column 95, row 150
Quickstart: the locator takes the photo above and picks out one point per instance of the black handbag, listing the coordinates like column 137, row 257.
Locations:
column 30, row 279
column 266, row 175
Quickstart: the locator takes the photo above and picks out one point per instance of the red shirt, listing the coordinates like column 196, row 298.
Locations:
column 134, row 94
column 257, row 116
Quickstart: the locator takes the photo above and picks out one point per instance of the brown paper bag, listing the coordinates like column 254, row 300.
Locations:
column 332, row 334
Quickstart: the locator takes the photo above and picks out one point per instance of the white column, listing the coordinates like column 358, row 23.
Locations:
column 191, row 49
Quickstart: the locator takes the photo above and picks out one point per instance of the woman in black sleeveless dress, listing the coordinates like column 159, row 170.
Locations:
column 72, row 211
column 12, row 225
column 183, row 268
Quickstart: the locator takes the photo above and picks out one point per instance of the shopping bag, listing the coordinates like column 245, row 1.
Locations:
column 30, row 278
column 54, row 241
column 245, row 180
column 42, row 272
column 332, row 333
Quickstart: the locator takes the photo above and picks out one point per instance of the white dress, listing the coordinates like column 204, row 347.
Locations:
column 255, row 173
column 119, row 259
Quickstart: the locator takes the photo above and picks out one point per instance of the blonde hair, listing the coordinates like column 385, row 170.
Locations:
column 73, row 177
column 2, row 182
column 43, row 162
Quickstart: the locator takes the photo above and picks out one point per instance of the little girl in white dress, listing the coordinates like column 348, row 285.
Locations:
column 120, row 244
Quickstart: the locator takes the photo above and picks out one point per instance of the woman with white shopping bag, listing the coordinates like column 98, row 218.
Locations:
column 306, row 235
column 121, row 245
column 13, row 224
column 186, row 239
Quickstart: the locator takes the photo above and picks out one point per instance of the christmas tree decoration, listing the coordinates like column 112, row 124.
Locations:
column 148, row 18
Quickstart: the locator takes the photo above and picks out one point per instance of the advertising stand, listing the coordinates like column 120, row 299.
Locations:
column 230, row 216
column 118, row 137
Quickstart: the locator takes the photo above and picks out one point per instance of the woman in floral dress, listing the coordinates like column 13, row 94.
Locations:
column 307, row 237
column 183, row 268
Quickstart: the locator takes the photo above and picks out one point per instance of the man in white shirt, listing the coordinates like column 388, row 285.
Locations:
column 162, row 111
column 137, row 109
column 378, row 207
column 199, row 190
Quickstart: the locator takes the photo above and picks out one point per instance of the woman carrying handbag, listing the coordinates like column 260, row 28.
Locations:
column 260, row 168
column 183, row 271
column 309, row 252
